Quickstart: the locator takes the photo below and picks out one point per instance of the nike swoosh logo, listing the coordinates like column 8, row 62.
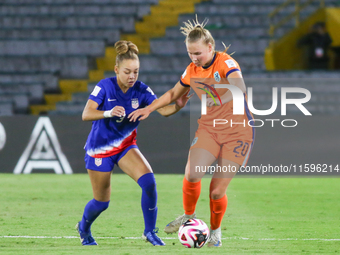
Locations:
column 110, row 100
column 152, row 208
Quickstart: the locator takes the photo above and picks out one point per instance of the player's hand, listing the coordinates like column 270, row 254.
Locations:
column 118, row 111
column 210, row 102
column 140, row 114
column 183, row 100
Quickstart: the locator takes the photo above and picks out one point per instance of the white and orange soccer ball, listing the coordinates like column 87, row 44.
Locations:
column 194, row 233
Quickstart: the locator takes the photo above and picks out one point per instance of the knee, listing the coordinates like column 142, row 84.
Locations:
column 148, row 183
column 150, row 187
column 216, row 194
column 191, row 179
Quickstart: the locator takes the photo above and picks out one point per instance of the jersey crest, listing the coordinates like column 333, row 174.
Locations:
column 217, row 76
column 134, row 103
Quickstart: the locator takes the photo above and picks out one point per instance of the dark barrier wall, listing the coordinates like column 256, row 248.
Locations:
column 55, row 144
column 71, row 134
column 163, row 141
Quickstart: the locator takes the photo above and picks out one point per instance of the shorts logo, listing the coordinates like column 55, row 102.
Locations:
column 134, row 103
column 194, row 141
column 98, row 161
column 217, row 76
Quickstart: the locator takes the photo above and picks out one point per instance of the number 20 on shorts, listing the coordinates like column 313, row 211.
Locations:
column 241, row 149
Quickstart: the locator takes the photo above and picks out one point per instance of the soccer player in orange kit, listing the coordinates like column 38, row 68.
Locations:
column 230, row 144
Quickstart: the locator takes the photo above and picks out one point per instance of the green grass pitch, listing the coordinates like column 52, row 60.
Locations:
column 264, row 215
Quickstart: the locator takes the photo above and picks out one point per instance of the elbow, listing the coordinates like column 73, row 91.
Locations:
column 163, row 114
column 84, row 117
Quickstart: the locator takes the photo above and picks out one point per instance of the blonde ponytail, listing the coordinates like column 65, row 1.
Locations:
column 195, row 31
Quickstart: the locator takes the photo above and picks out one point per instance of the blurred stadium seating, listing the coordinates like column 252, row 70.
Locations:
column 63, row 46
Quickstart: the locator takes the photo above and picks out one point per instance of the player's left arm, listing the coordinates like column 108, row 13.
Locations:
column 235, row 79
column 171, row 109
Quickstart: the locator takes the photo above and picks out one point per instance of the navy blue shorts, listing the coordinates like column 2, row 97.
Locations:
column 105, row 164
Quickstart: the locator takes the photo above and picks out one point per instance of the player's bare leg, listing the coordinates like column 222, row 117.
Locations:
column 138, row 168
column 218, row 200
column 134, row 164
column 191, row 186
column 101, row 185
column 101, row 192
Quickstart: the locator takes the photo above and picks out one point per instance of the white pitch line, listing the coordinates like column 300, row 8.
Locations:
column 173, row 238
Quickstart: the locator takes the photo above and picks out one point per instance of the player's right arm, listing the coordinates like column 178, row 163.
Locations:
column 91, row 113
column 167, row 98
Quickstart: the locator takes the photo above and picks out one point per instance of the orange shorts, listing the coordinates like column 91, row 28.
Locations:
column 234, row 146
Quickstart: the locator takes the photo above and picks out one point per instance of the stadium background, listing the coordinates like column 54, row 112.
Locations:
column 52, row 53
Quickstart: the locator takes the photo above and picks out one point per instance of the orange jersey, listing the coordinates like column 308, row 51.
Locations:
column 217, row 73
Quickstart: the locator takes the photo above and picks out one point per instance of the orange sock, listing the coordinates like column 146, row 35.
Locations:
column 191, row 193
column 217, row 210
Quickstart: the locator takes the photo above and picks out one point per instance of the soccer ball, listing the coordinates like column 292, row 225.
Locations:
column 194, row 233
